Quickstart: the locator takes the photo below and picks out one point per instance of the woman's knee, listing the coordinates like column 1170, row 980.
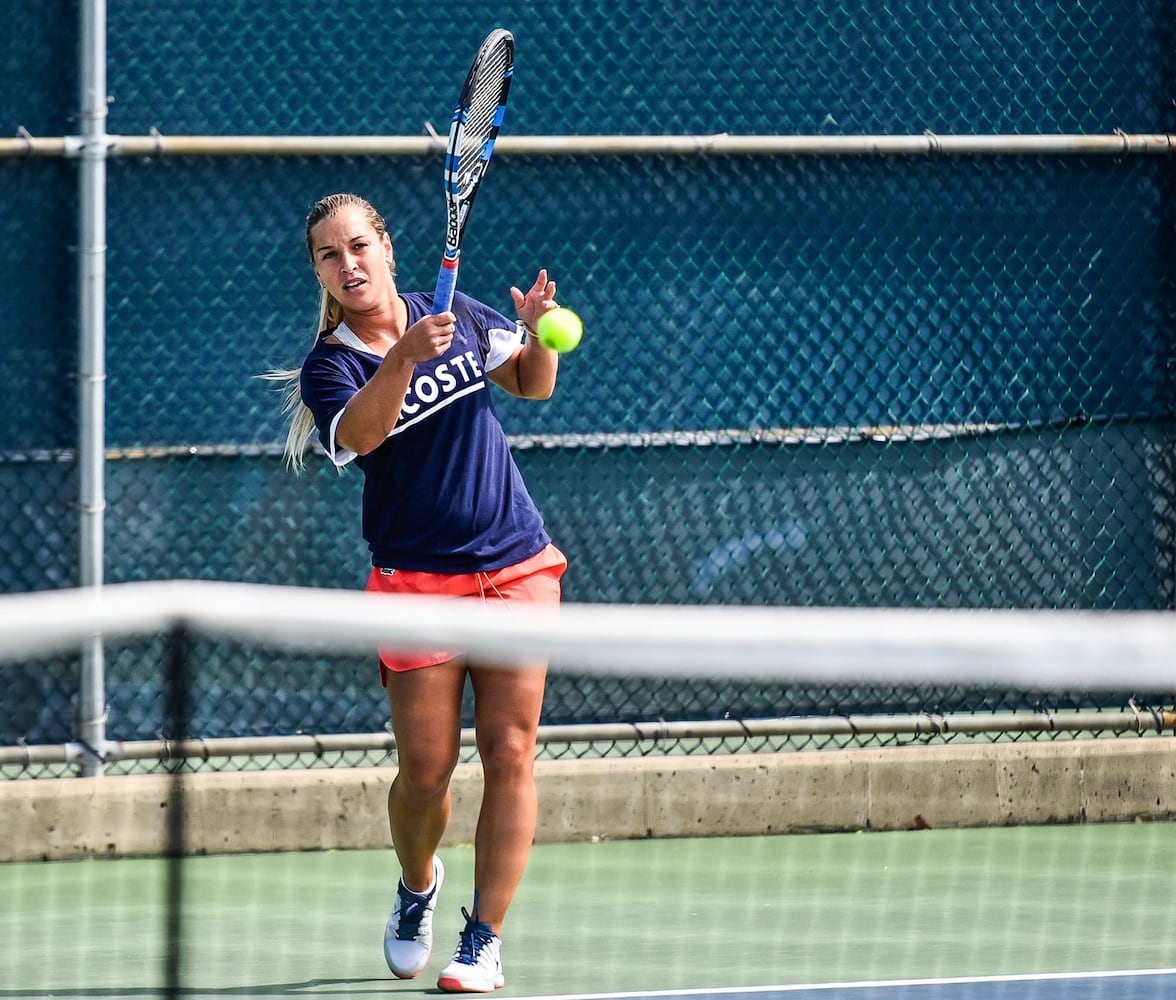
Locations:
column 424, row 780
column 507, row 753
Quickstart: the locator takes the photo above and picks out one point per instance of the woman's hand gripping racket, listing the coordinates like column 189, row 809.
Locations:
column 476, row 121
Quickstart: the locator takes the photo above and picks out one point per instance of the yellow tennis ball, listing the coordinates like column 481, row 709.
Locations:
column 560, row 329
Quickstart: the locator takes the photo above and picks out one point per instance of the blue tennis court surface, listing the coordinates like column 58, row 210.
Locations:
column 1144, row 984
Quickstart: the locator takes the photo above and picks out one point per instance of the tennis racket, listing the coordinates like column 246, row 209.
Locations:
column 476, row 121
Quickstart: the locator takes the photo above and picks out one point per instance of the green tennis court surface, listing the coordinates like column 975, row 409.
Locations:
column 624, row 917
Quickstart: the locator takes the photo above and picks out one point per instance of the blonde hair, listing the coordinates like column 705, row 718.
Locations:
column 302, row 427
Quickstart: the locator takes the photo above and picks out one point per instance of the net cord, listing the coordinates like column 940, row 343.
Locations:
column 1031, row 650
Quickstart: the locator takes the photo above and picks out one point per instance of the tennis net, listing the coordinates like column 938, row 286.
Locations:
column 1013, row 830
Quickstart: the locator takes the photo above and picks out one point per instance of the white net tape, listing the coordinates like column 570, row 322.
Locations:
column 1040, row 650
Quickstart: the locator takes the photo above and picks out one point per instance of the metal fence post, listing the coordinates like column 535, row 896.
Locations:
column 92, row 365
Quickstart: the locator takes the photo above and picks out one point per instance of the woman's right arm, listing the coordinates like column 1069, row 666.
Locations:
column 372, row 412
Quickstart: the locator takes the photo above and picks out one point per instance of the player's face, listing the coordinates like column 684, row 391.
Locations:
column 351, row 259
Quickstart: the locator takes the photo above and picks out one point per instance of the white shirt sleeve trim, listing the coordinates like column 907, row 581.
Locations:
column 503, row 344
column 340, row 456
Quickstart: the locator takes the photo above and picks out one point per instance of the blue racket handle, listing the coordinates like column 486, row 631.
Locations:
column 446, row 283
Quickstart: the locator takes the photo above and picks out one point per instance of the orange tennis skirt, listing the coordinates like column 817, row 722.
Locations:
column 534, row 580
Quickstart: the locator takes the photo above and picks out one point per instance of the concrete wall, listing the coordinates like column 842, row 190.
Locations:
column 877, row 789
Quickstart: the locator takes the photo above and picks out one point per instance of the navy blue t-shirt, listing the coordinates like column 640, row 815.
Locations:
column 442, row 494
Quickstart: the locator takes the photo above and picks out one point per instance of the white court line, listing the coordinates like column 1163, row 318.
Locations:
column 868, row 984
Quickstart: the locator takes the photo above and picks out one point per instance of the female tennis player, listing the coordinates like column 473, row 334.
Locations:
column 406, row 396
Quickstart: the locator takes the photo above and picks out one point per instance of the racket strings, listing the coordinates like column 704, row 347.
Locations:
column 481, row 117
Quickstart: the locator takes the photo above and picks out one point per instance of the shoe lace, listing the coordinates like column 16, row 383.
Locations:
column 473, row 939
column 412, row 909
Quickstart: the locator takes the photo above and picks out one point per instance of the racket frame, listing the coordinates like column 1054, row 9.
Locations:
column 461, row 183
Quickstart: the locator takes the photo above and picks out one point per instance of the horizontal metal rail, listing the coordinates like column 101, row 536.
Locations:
column 1137, row 721
column 156, row 144
column 597, row 440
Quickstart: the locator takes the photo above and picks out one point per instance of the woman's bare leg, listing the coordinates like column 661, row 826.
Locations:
column 425, row 706
column 507, row 704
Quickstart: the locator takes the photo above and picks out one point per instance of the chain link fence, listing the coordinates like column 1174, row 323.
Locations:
column 943, row 381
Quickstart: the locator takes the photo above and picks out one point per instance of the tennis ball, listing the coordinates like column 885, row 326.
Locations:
column 560, row 329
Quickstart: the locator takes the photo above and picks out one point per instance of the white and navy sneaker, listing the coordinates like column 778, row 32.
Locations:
column 408, row 937
column 477, row 963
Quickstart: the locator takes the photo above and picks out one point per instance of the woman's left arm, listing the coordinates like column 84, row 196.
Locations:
column 531, row 372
